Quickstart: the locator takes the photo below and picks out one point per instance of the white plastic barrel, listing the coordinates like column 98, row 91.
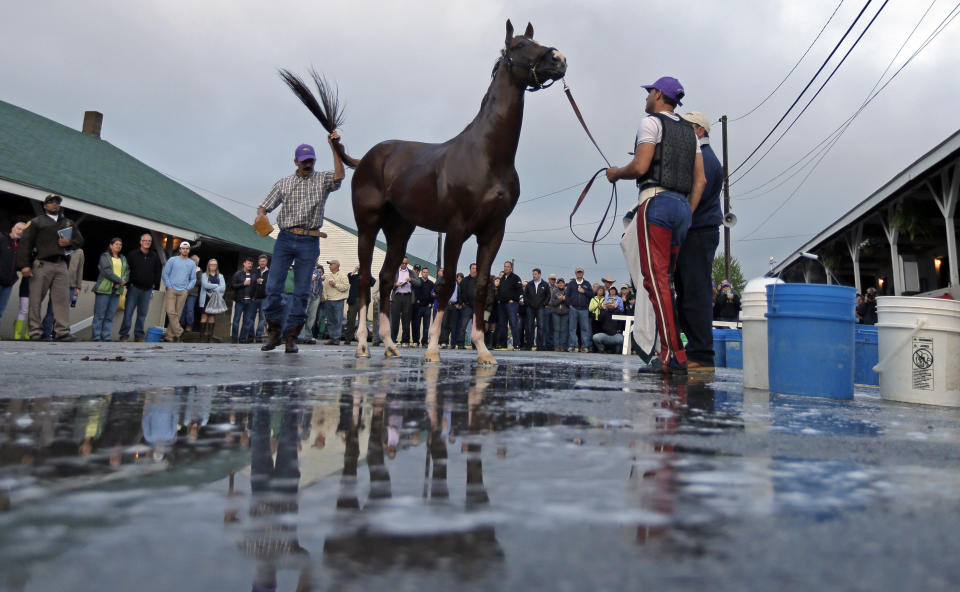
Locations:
column 919, row 342
column 753, row 308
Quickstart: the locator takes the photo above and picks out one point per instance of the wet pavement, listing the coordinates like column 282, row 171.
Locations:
column 198, row 467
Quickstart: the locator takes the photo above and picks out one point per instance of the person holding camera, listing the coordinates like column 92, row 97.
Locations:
column 867, row 310
column 727, row 305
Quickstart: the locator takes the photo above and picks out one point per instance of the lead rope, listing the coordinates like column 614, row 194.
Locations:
column 583, row 194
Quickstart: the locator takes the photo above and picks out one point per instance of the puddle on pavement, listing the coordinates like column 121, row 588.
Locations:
column 450, row 472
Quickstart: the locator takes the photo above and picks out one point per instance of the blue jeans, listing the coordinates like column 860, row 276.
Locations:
column 5, row 292
column 465, row 322
column 244, row 309
column 258, row 305
column 561, row 330
column 303, row 251
column 609, row 343
column 333, row 311
column 421, row 323
column 548, row 339
column 581, row 318
column 508, row 312
column 104, row 307
column 670, row 210
column 187, row 315
column 140, row 300
column 539, row 316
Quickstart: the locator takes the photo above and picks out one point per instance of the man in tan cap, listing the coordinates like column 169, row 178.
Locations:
column 693, row 275
column 336, row 288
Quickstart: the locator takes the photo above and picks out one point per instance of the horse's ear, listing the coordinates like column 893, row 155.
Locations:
column 509, row 32
column 529, row 32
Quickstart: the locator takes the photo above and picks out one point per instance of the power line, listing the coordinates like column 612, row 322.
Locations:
column 220, row 195
column 815, row 39
column 842, row 127
column 805, row 88
column 580, row 184
column 814, row 97
column 939, row 29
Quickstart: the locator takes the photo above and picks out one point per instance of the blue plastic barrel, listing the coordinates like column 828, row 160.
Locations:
column 155, row 334
column 810, row 339
column 867, row 355
column 734, row 347
column 720, row 348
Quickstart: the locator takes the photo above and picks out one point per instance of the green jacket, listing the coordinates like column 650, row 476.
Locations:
column 107, row 281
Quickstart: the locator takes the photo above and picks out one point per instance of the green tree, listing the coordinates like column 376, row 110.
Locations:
column 736, row 273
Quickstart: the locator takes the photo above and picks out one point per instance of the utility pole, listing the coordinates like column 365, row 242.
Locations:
column 726, row 202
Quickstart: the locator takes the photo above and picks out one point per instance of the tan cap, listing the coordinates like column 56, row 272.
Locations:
column 552, row 276
column 609, row 278
column 333, row 262
column 578, row 269
column 697, row 118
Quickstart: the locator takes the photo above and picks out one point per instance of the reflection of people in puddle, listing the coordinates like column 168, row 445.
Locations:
column 271, row 537
column 161, row 411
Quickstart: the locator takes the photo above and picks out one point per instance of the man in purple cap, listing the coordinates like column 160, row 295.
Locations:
column 301, row 198
column 668, row 167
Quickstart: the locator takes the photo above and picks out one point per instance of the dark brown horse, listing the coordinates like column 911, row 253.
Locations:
column 464, row 187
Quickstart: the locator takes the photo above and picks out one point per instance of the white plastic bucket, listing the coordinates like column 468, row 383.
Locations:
column 919, row 342
column 753, row 308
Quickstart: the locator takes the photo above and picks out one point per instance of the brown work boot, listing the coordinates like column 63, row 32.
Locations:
column 271, row 336
column 290, row 339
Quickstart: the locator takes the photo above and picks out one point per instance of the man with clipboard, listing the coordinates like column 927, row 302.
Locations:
column 46, row 243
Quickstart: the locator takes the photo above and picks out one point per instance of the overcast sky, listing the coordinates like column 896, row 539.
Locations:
column 191, row 89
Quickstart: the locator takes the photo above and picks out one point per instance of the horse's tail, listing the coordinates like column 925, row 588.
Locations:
column 327, row 110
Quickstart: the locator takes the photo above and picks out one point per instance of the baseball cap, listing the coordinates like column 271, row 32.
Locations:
column 304, row 152
column 183, row 244
column 333, row 262
column 697, row 118
column 622, row 286
column 669, row 86
column 53, row 197
column 578, row 269
column 552, row 276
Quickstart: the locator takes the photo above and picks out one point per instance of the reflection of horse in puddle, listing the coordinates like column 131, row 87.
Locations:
column 363, row 540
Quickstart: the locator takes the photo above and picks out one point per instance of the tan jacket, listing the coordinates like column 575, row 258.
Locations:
column 336, row 286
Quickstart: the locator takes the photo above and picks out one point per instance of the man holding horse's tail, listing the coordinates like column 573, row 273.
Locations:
column 668, row 167
column 301, row 198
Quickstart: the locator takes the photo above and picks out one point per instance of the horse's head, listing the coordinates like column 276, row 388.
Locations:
column 532, row 65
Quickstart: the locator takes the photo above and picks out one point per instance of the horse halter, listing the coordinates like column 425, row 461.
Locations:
column 532, row 67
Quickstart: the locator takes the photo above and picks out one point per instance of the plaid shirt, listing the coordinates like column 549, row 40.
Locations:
column 303, row 199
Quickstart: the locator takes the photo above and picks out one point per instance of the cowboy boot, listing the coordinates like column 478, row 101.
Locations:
column 210, row 336
column 271, row 336
column 290, row 339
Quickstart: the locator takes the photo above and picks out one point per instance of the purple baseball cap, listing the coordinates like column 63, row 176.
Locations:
column 669, row 86
column 304, row 152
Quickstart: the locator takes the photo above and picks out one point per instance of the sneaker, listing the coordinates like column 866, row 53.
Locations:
column 124, row 339
column 140, row 339
column 67, row 338
column 654, row 367
column 331, row 342
column 571, row 349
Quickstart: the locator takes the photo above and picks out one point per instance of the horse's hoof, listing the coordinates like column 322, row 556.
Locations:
column 391, row 352
column 431, row 356
column 363, row 352
column 486, row 360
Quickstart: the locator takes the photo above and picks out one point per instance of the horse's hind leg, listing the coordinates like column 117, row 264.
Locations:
column 451, row 254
